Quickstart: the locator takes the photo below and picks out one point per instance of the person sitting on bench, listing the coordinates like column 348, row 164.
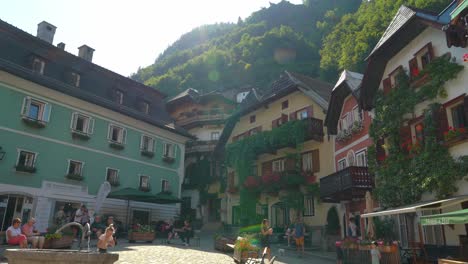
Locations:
column 186, row 233
column 14, row 236
column 33, row 236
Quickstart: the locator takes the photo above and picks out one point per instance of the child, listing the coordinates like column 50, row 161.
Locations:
column 106, row 239
column 375, row 253
column 339, row 252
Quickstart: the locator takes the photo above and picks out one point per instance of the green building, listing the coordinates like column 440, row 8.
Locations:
column 67, row 125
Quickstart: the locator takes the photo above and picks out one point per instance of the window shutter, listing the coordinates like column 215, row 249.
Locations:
column 267, row 167
column 310, row 111
column 466, row 108
column 293, row 116
column 46, row 112
column 164, row 149
column 142, row 139
column 315, row 160
column 274, row 123
column 387, row 85
column 174, row 151
column 284, row 118
column 440, row 117
column 25, row 107
column 91, row 126
column 431, row 50
column 413, row 67
column 73, row 121
column 109, row 131
column 124, row 135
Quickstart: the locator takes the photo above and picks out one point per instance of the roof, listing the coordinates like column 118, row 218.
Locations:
column 462, row 6
column 348, row 83
column 406, row 25
column 17, row 48
column 190, row 93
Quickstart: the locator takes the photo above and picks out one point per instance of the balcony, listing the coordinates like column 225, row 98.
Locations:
column 192, row 119
column 200, row 146
column 314, row 129
column 345, row 185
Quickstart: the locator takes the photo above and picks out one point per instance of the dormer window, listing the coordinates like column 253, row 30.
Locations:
column 38, row 66
column 144, row 106
column 118, row 96
column 75, row 79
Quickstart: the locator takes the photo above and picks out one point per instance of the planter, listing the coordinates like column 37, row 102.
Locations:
column 50, row 256
column 388, row 249
column 455, row 140
column 56, row 243
column 168, row 159
column 365, row 247
column 221, row 244
column 147, row 153
column 141, row 236
column 116, row 145
column 80, row 135
column 25, row 169
column 74, row 177
column 33, row 122
column 242, row 257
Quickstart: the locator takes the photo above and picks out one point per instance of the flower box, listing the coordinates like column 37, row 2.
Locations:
column 141, row 236
column 23, row 168
column 168, row 159
column 33, row 122
column 388, row 249
column 80, row 135
column 116, row 145
column 147, row 153
column 75, row 177
column 242, row 256
column 55, row 243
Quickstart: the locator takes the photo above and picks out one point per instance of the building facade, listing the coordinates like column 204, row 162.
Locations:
column 203, row 116
column 68, row 125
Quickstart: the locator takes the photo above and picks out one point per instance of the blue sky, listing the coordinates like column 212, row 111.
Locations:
column 125, row 34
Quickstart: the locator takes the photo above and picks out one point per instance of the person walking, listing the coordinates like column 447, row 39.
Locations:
column 186, row 233
column 266, row 232
column 299, row 236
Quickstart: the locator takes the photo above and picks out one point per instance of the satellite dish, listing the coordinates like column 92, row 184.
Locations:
column 104, row 190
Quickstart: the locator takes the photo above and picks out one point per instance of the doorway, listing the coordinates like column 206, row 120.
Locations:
column 14, row 206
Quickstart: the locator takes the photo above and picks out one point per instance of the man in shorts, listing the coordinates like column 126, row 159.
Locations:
column 299, row 236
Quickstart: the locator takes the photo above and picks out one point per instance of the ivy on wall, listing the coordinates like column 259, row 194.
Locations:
column 427, row 166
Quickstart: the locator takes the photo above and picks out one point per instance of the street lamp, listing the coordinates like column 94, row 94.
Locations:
column 2, row 153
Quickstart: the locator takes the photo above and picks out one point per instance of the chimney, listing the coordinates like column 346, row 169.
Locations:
column 86, row 52
column 46, row 31
column 61, row 46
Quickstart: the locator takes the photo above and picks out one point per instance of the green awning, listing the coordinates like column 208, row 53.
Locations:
column 451, row 218
column 459, row 9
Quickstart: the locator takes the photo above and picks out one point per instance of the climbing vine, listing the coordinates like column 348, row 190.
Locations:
column 413, row 167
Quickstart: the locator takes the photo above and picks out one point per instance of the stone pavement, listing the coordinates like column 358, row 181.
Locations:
column 177, row 253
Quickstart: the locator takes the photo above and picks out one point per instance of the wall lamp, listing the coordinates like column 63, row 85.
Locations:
column 2, row 153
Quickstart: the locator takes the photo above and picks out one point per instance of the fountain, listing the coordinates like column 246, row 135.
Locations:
column 60, row 256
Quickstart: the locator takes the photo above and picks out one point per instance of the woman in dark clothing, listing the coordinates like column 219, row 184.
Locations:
column 186, row 233
column 266, row 233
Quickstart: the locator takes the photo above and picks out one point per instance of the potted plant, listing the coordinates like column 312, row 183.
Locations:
column 58, row 240
column 244, row 249
column 357, row 126
column 142, row 233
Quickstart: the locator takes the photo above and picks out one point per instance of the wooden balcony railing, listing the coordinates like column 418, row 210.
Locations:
column 346, row 184
column 201, row 146
column 314, row 128
column 194, row 118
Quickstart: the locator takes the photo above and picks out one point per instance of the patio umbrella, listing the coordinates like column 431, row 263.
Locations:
column 166, row 198
column 451, row 218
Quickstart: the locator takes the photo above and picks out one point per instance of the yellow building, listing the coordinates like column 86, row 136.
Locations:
column 287, row 171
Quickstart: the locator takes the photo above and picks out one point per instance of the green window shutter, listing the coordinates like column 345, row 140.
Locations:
column 91, row 126
column 124, row 135
column 73, row 121
column 25, row 107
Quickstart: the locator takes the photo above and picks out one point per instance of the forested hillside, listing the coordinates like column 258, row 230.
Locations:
column 317, row 39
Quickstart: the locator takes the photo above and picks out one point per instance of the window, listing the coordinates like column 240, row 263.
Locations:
column 169, row 150
column 118, row 96
column 252, row 119
column 38, row 66
column 147, row 143
column 35, row 110
column 117, row 134
column 302, row 114
column 342, row 164
column 75, row 167
column 394, row 76
column 459, row 118
column 421, row 58
column 356, row 114
column 75, row 79
column 144, row 182
column 26, row 159
column 278, row 165
column 361, row 158
column 215, row 135
column 309, row 208
column 145, row 107
column 165, row 186
column 82, row 123
column 112, row 176
column 285, row 104
column 307, row 161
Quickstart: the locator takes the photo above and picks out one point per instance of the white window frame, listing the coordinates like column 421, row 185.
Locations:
column 356, row 114
column 146, row 107
column 41, row 63
column 107, row 173
column 119, row 95
column 75, row 161
column 344, row 162
column 299, row 115
column 88, row 127
column 140, row 181
column 215, row 137
column 362, row 152
column 277, row 165
column 122, row 137
column 309, row 165
column 43, row 114
column 165, row 187
column 25, row 150
column 76, row 79
column 171, row 152
column 309, row 206
column 150, row 147
column 449, row 112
